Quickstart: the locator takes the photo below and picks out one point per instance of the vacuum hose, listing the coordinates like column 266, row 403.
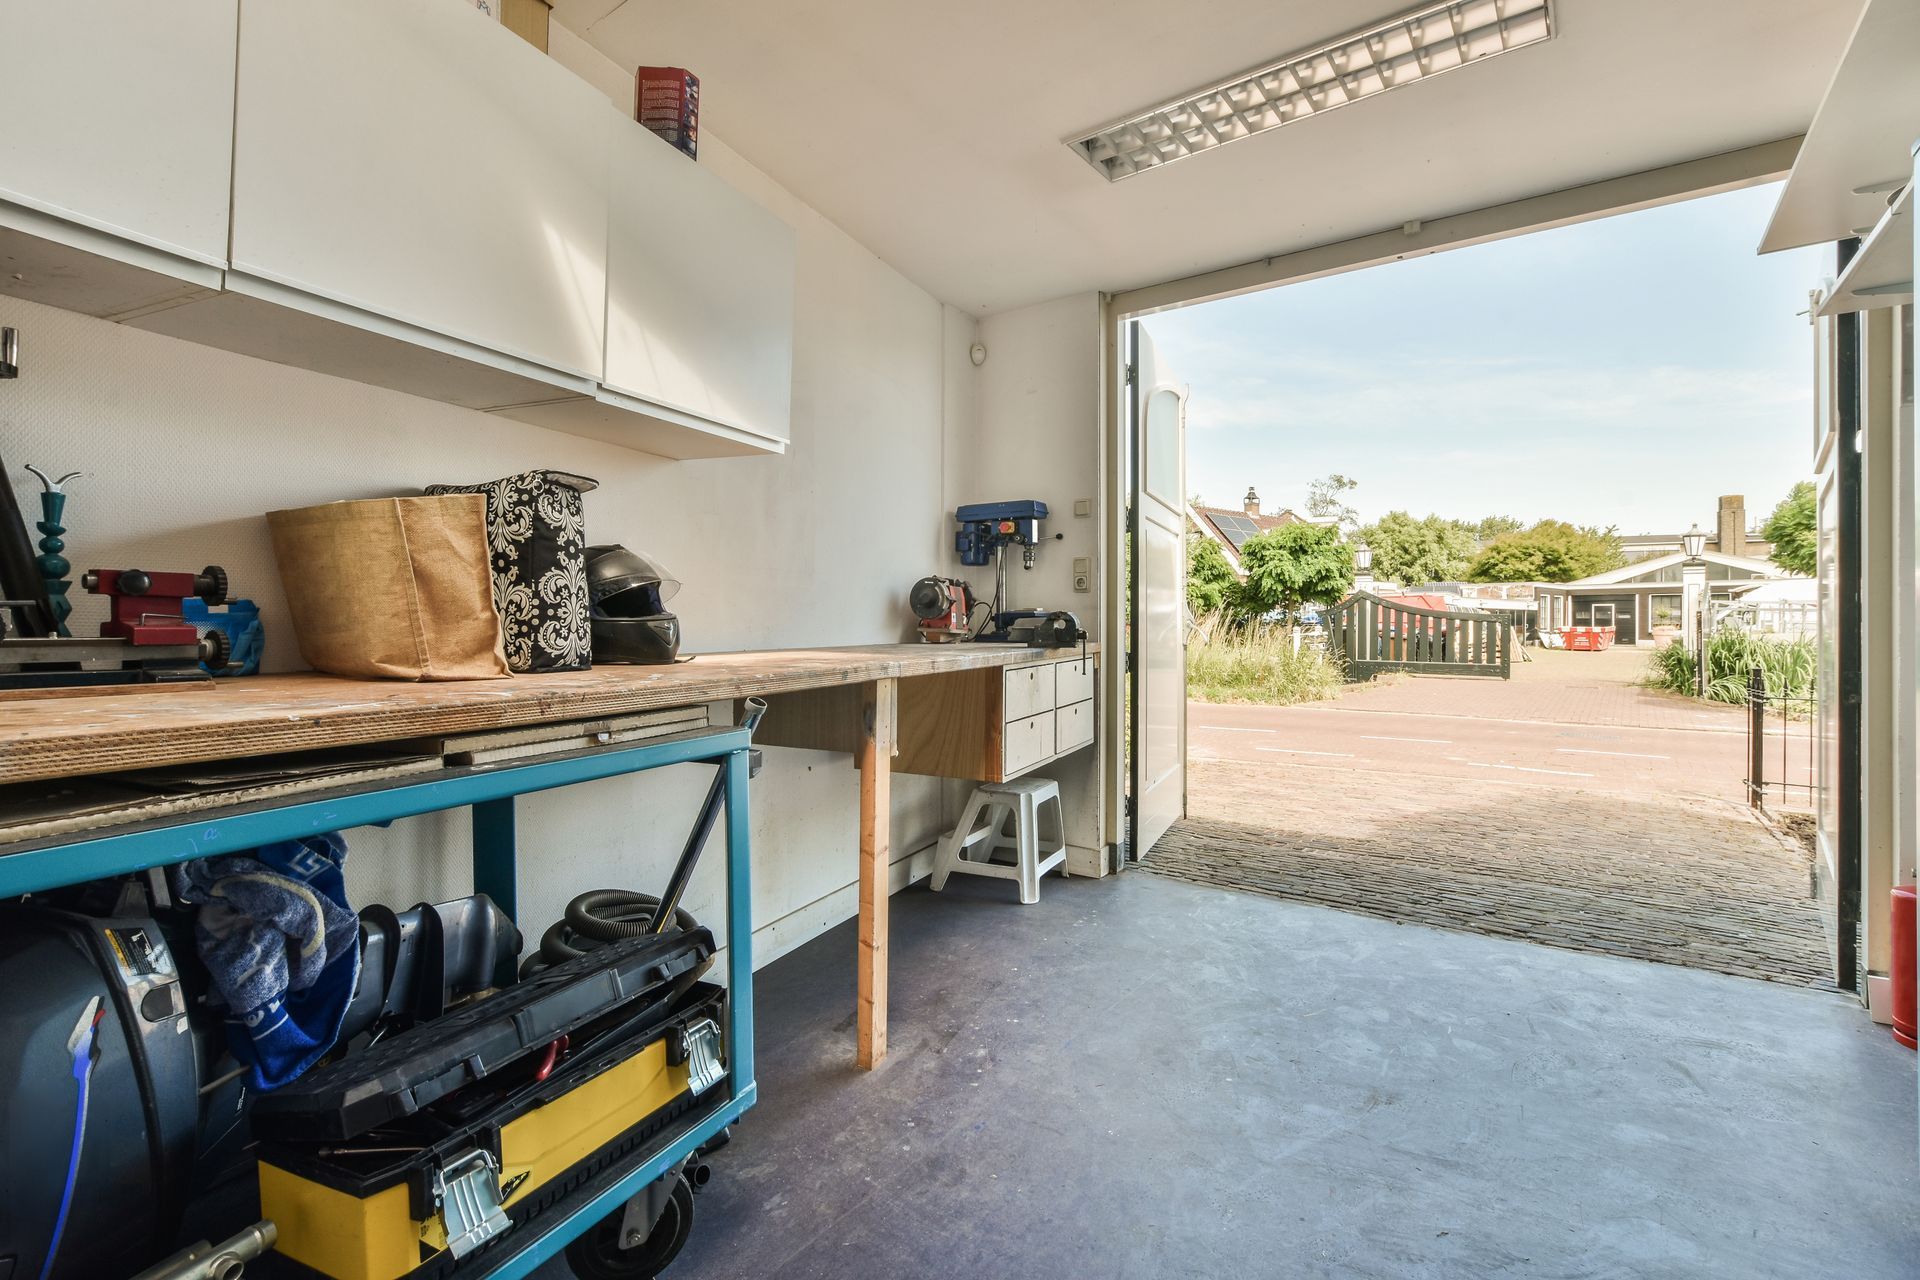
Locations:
column 607, row 915
column 600, row 916
column 596, row 917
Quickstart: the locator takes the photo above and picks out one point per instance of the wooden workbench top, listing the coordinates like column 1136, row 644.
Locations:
column 263, row 715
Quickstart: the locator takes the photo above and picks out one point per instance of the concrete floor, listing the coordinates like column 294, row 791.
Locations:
column 1145, row 1078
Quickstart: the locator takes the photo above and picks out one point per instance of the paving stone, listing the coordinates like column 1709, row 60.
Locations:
column 1670, row 879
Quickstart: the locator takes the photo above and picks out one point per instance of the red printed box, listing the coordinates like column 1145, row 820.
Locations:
column 667, row 101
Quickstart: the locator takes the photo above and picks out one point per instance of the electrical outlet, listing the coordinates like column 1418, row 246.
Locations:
column 1083, row 573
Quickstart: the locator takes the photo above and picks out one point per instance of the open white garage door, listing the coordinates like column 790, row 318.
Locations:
column 1158, row 631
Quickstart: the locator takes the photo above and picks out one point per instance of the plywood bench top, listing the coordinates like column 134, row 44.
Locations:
column 264, row 715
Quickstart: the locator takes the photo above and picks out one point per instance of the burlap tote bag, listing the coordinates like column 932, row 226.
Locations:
column 392, row 588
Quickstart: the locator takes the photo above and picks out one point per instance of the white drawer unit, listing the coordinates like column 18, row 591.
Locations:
column 1072, row 681
column 1072, row 727
column 1046, row 709
column 1025, row 743
column 989, row 723
column 1027, row 690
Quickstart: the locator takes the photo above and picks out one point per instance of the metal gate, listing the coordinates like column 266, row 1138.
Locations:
column 1372, row 635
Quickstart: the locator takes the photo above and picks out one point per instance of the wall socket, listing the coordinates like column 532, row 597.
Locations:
column 1083, row 573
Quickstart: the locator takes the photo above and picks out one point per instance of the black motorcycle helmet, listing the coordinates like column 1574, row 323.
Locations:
column 626, row 597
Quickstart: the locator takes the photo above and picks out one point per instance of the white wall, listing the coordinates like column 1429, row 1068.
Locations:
column 1037, row 413
column 184, row 447
column 1036, row 434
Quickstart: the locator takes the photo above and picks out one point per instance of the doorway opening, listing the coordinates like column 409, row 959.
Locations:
column 1527, row 432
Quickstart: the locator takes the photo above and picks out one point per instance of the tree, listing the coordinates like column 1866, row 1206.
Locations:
column 1491, row 527
column 1293, row 565
column 1794, row 531
column 1211, row 584
column 1408, row 551
column 1325, row 500
column 1550, row 551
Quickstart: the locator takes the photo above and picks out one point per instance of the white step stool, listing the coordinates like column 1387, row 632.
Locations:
column 983, row 828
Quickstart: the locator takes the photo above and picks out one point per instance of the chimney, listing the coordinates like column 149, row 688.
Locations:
column 1732, row 526
column 1251, row 504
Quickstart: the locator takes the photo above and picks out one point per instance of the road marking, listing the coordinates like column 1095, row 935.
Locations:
column 1295, row 751
column 1234, row 728
column 1387, row 737
column 1637, row 755
column 1517, row 768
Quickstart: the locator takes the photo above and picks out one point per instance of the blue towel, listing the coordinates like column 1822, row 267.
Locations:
column 281, row 946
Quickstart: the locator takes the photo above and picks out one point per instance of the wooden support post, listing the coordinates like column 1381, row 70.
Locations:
column 879, row 705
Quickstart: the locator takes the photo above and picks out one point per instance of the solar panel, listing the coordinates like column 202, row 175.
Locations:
column 1236, row 528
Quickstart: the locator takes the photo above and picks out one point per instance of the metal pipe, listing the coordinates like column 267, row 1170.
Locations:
column 9, row 353
column 223, row 1261
column 702, row 828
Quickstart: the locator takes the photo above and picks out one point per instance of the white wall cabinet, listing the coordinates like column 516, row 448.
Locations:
column 397, row 192
column 411, row 160
column 699, row 291
column 116, row 127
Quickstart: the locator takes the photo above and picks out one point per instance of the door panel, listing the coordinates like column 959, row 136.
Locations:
column 1159, row 614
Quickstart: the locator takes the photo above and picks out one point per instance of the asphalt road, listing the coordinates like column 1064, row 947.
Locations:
column 1705, row 762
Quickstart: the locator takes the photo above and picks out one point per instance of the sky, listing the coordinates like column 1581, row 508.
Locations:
column 1622, row 372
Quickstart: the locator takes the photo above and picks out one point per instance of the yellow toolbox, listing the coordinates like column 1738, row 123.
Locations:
column 410, row 1159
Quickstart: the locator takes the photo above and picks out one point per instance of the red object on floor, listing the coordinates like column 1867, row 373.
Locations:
column 1903, row 966
column 1587, row 639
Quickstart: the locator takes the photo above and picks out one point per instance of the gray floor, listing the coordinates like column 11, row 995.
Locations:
column 1148, row 1078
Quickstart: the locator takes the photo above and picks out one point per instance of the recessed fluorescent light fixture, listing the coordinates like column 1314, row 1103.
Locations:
column 1416, row 45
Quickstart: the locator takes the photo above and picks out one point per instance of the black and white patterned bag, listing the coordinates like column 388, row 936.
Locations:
column 537, row 537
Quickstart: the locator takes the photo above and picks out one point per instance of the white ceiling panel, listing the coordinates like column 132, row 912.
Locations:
column 936, row 134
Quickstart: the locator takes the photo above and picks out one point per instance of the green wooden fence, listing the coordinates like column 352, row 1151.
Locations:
column 1372, row 635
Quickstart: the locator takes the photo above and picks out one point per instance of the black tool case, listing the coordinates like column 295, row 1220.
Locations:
column 371, row 1166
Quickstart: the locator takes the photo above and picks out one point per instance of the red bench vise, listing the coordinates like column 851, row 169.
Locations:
column 146, row 606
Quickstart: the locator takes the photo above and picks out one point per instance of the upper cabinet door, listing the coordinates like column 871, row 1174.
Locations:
column 117, row 116
column 699, row 291
column 412, row 159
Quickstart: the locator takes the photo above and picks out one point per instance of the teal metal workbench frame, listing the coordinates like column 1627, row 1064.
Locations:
column 489, row 791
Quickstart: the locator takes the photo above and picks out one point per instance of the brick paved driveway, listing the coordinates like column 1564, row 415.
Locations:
column 1595, row 816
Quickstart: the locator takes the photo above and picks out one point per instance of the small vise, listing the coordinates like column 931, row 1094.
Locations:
column 146, row 606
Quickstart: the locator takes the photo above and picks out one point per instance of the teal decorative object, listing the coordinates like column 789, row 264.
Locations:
column 54, row 567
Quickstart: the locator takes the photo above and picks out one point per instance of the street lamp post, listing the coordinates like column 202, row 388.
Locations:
column 1362, row 567
column 1693, row 594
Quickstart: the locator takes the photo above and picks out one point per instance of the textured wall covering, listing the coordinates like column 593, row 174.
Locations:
column 184, row 447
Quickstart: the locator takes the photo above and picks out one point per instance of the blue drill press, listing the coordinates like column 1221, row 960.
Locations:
column 986, row 530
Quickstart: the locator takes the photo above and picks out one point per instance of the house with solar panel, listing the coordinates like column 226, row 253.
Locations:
column 1231, row 529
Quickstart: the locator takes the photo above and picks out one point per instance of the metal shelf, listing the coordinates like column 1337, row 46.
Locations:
column 1858, row 145
column 490, row 792
column 1881, row 274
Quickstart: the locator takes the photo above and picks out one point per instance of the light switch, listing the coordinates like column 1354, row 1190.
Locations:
column 1083, row 506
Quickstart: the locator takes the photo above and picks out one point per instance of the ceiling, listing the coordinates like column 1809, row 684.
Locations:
column 933, row 132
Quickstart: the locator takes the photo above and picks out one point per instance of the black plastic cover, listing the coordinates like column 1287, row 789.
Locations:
column 138, row 1145
column 395, row 1078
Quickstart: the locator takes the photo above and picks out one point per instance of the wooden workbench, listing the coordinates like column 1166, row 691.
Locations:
column 44, row 739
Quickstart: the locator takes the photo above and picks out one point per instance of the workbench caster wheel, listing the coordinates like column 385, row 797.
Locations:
column 603, row 1254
